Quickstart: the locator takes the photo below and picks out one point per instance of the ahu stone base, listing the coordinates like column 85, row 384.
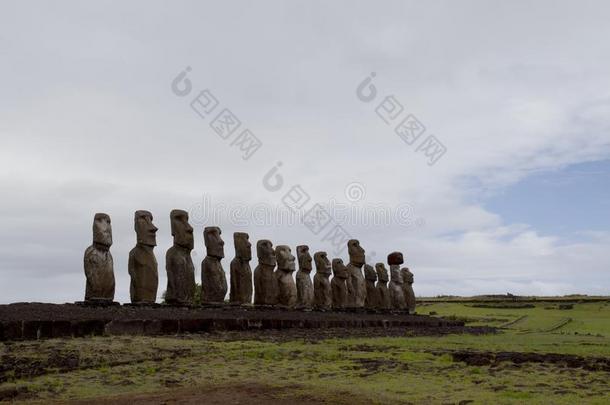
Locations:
column 30, row 321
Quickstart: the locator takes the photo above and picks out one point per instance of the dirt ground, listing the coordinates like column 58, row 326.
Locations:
column 240, row 394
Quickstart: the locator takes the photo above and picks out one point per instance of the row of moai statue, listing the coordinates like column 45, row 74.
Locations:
column 272, row 278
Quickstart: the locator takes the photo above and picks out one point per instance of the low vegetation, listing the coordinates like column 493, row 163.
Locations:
column 423, row 369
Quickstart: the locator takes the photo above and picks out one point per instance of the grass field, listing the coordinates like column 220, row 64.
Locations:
column 355, row 370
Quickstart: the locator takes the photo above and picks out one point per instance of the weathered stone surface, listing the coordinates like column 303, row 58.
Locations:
column 323, row 298
column 241, row 274
column 265, row 283
column 142, row 265
column 213, row 278
column 356, row 288
column 407, row 289
column 395, row 259
column 385, row 302
column 98, row 264
column 339, row 284
column 372, row 296
column 178, row 261
column 287, row 289
column 305, row 294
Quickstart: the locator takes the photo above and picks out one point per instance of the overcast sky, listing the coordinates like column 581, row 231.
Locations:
column 517, row 92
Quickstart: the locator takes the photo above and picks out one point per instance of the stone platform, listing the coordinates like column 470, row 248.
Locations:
column 29, row 321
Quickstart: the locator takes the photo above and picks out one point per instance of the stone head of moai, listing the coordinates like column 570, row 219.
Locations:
column 304, row 258
column 369, row 273
column 322, row 263
column 214, row 244
column 243, row 247
column 182, row 231
column 407, row 276
column 382, row 272
column 265, row 252
column 395, row 259
column 339, row 269
column 285, row 258
column 146, row 231
column 356, row 252
column 102, row 231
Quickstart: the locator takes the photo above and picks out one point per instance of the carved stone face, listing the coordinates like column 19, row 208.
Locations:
column 395, row 258
column 265, row 252
column 382, row 272
column 145, row 230
column 285, row 258
column 322, row 263
column 243, row 247
column 182, row 231
column 214, row 244
column 304, row 258
column 395, row 275
column 406, row 274
column 102, row 230
column 369, row 273
column 339, row 269
column 356, row 252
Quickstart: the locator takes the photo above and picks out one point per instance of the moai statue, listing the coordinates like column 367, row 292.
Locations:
column 213, row 278
column 396, row 295
column 99, row 267
column 304, row 284
column 356, row 288
column 287, row 289
column 339, row 284
column 383, row 294
column 323, row 297
column 178, row 261
column 241, row 274
column 142, row 265
column 265, row 284
column 407, row 289
column 372, row 296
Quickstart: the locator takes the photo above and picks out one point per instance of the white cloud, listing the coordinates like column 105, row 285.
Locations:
column 88, row 123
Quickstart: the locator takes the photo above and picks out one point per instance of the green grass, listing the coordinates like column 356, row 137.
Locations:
column 376, row 370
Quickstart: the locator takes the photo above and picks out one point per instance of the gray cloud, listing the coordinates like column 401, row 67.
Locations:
column 88, row 123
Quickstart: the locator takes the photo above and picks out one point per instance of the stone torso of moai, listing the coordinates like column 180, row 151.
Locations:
column 142, row 264
column 241, row 274
column 178, row 261
column 265, row 284
column 407, row 289
column 305, row 292
column 339, row 284
column 213, row 279
column 383, row 294
column 323, row 297
column 372, row 296
column 396, row 295
column 287, row 289
column 356, row 286
column 99, row 267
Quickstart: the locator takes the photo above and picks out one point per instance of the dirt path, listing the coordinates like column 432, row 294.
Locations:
column 242, row 394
